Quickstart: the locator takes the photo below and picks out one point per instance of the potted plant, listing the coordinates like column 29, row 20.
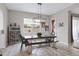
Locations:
column 39, row 34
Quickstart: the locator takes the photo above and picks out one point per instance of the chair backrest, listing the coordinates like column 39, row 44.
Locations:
column 23, row 39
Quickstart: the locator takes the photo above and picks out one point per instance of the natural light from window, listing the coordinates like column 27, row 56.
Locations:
column 1, row 20
column 35, row 25
column 31, row 25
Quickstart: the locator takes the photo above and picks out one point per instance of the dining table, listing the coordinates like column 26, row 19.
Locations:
column 46, row 39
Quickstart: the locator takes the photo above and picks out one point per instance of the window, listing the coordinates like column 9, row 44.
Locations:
column 1, row 20
column 31, row 25
column 75, row 24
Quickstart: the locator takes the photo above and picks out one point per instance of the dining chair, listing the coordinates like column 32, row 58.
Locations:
column 23, row 41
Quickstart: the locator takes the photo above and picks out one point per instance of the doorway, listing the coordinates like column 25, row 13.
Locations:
column 75, row 30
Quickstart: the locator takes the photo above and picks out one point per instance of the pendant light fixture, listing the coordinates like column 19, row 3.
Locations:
column 39, row 14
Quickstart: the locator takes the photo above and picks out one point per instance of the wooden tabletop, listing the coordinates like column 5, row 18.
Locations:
column 42, row 37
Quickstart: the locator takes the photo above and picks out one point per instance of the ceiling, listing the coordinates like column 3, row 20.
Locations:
column 46, row 8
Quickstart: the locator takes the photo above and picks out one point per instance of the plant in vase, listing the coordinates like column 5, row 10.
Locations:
column 39, row 34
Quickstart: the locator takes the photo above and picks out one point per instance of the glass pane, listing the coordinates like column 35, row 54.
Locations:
column 31, row 25
column 75, row 28
column 1, row 20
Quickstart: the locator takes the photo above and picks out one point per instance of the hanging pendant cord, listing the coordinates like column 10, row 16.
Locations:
column 39, row 11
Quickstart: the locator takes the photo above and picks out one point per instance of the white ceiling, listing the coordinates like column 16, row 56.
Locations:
column 46, row 8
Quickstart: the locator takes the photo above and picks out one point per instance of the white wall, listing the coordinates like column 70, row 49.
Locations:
column 61, row 32
column 64, row 33
column 3, row 37
column 18, row 17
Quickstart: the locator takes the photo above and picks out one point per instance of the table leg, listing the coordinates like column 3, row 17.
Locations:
column 53, row 44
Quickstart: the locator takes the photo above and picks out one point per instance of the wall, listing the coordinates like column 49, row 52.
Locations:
column 18, row 16
column 64, row 33
column 3, row 37
column 61, row 32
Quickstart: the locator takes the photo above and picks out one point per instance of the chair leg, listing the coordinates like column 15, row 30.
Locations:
column 21, row 47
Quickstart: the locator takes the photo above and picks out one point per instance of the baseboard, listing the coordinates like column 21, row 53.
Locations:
column 64, row 43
